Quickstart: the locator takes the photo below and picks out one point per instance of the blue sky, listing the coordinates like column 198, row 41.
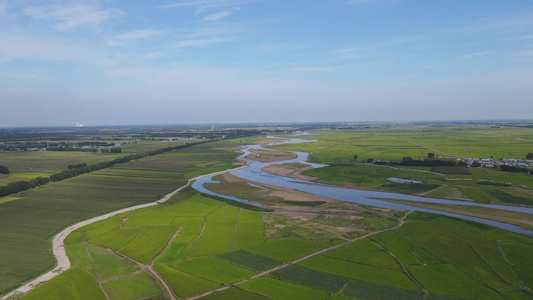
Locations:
column 126, row 62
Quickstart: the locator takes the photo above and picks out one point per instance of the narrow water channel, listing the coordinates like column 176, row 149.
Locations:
column 254, row 172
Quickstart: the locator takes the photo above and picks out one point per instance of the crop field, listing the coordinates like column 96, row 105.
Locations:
column 30, row 219
column 426, row 256
column 480, row 141
column 337, row 148
column 197, row 244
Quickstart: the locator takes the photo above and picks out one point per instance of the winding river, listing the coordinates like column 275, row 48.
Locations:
column 254, row 172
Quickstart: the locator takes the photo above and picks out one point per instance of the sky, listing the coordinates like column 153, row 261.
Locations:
column 137, row 62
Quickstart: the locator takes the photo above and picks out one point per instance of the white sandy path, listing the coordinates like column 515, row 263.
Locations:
column 63, row 263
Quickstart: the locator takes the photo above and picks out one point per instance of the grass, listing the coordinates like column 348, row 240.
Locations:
column 367, row 290
column 30, row 222
column 213, row 269
column 117, row 238
column 404, row 248
column 183, row 284
column 286, row 249
column 278, row 289
column 250, row 260
column 107, row 265
column 463, row 259
column 145, row 246
column 250, row 230
column 451, row 170
column 311, row 278
column 409, row 188
column 389, row 277
column 134, row 287
column 234, row 294
column 371, row 257
column 439, row 278
column 520, row 219
column 74, row 284
column 218, row 232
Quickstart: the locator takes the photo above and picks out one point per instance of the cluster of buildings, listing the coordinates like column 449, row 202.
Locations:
column 494, row 163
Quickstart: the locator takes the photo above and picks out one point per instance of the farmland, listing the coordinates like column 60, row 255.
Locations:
column 409, row 262
column 337, row 149
column 196, row 245
column 30, row 219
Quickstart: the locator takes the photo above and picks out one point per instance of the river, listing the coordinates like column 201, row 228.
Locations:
column 254, row 172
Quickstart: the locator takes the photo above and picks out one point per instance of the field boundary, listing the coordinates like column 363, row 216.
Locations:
column 63, row 263
column 290, row 263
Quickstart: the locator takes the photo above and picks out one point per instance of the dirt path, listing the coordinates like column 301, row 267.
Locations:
column 402, row 221
column 63, row 263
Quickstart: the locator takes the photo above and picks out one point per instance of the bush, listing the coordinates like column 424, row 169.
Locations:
column 4, row 170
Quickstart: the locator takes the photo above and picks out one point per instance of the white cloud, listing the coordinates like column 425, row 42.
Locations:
column 3, row 7
column 199, row 42
column 357, row 2
column 310, row 69
column 527, row 37
column 217, row 16
column 70, row 16
column 15, row 46
column 132, row 36
column 477, row 54
column 207, row 5
column 344, row 51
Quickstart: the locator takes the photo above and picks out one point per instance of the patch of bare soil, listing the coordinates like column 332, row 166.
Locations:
column 345, row 217
column 297, row 215
column 277, row 191
column 290, row 170
column 270, row 155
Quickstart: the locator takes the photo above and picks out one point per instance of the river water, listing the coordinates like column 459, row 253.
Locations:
column 255, row 173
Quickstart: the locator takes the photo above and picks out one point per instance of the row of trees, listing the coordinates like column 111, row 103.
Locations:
column 21, row 186
column 79, row 169
column 514, row 169
column 73, row 149
column 112, row 150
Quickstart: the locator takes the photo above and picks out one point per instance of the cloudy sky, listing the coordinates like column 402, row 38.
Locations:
column 127, row 62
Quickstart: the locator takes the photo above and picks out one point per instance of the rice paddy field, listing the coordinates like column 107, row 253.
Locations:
column 28, row 220
column 198, row 245
column 201, row 247
column 337, row 148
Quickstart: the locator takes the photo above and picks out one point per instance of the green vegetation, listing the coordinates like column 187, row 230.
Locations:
column 380, row 144
column 30, row 221
column 74, row 284
column 134, row 287
column 250, row 260
column 213, row 269
column 278, row 289
column 198, row 243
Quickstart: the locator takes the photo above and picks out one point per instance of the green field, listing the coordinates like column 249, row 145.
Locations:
column 428, row 255
column 197, row 244
column 337, row 148
column 31, row 218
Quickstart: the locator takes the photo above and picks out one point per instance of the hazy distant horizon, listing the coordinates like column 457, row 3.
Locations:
column 288, row 123
column 246, row 61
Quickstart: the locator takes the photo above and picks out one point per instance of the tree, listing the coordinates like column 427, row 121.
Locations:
column 529, row 156
column 115, row 150
column 4, row 170
column 370, row 160
column 476, row 164
column 355, row 157
column 431, row 155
